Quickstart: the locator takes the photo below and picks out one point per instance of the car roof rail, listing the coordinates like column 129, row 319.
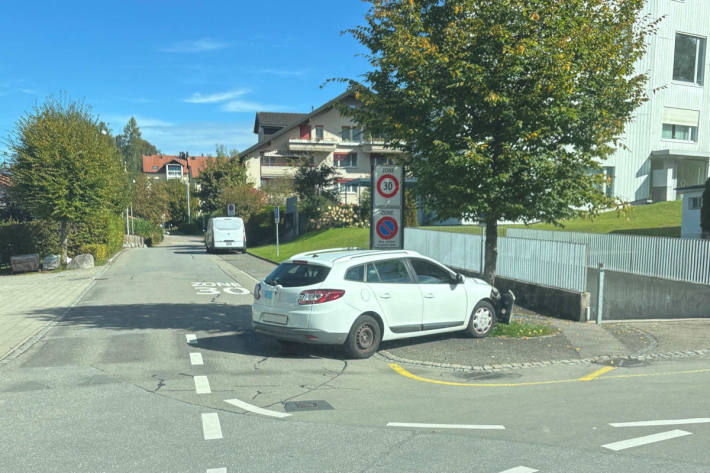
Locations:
column 377, row 252
column 327, row 250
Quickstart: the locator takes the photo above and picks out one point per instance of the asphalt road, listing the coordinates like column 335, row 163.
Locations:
column 156, row 370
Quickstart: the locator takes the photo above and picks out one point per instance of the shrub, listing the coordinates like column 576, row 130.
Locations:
column 152, row 234
column 98, row 250
column 338, row 216
column 192, row 228
column 410, row 209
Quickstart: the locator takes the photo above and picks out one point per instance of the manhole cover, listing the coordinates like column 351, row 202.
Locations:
column 484, row 375
column 623, row 362
column 294, row 406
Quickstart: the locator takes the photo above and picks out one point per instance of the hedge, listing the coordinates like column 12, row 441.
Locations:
column 42, row 236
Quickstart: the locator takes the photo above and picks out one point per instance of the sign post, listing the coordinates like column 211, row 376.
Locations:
column 231, row 210
column 276, row 221
column 386, row 224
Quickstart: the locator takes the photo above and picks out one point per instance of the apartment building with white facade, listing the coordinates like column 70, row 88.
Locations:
column 668, row 140
column 323, row 136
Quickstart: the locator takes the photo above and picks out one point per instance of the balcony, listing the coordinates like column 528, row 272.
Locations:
column 313, row 146
column 375, row 146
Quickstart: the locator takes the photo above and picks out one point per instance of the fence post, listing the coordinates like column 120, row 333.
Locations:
column 600, row 299
column 482, row 259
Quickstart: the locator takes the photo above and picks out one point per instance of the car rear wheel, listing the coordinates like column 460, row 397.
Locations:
column 482, row 320
column 364, row 337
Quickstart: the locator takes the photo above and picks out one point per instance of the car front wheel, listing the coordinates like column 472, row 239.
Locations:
column 364, row 337
column 482, row 320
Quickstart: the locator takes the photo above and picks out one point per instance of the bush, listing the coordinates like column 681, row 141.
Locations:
column 338, row 216
column 152, row 234
column 260, row 227
column 98, row 250
column 42, row 236
column 192, row 228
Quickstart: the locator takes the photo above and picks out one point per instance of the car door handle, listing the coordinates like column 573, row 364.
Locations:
column 429, row 296
column 385, row 295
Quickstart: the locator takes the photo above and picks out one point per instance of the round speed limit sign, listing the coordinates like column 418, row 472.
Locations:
column 387, row 186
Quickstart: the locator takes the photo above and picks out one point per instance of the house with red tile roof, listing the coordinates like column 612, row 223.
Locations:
column 165, row 166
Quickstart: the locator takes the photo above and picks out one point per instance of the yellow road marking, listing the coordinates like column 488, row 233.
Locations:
column 592, row 376
column 597, row 373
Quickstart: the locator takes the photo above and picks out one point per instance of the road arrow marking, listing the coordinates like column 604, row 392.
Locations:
column 637, row 442
column 648, row 423
column 256, row 410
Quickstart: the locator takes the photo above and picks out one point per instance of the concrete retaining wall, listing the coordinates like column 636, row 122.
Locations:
column 552, row 301
column 631, row 296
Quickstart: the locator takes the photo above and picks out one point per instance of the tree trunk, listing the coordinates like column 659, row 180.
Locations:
column 63, row 237
column 489, row 272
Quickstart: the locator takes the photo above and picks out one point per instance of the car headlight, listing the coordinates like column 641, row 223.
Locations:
column 495, row 294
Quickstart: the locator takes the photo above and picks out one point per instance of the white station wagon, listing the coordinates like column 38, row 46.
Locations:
column 360, row 297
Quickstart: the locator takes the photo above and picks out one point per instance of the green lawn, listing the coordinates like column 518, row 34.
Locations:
column 318, row 240
column 661, row 219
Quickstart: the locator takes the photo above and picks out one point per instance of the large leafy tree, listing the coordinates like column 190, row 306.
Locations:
column 311, row 180
column 66, row 167
column 223, row 172
column 505, row 107
column 133, row 146
column 150, row 199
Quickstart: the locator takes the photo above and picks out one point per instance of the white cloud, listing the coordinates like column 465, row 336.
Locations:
column 215, row 98
column 194, row 46
column 238, row 106
column 200, row 137
column 119, row 121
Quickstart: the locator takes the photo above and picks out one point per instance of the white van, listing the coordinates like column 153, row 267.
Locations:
column 225, row 233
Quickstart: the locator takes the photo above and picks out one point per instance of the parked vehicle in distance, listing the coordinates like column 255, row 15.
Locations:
column 359, row 298
column 225, row 233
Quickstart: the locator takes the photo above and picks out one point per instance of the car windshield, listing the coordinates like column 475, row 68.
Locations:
column 297, row 274
column 231, row 224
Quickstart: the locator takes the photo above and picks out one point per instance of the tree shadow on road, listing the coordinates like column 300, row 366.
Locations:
column 228, row 326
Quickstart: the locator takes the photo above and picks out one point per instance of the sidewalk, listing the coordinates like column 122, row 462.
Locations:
column 23, row 297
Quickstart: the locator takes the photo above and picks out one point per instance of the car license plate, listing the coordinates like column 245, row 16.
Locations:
column 275, row 318
column 228, row 243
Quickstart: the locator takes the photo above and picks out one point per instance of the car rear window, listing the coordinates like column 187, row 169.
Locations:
column 356, row 273
column 297, row 274
column 232, row 224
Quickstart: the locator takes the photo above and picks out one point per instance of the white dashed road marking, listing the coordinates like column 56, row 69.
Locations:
column 217, row 470
column 446, row 426
column 210, row 426
column 202, row 385
column 196, row 359
column 191, row 338
column 647, row 423
column 255, row 409
column 637, row 442
column 520, row 469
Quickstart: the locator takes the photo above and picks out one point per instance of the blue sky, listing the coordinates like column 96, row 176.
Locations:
column 192, row 73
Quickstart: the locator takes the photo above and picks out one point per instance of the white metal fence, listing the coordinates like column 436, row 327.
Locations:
column 667, row 258
column 549, row 263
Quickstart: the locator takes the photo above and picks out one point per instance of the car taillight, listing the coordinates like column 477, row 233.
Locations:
column 319, row 296
column 257, row 291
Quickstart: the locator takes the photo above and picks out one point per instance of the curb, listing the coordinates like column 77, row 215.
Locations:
column 261, row 258
column 538, row 364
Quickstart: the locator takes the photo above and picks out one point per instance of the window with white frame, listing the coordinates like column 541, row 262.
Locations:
column 342, row 160
column 689, row 59
column 351, row 133
column 695, row 203
column 173, row 171
column 347, row 188
column 680, row 124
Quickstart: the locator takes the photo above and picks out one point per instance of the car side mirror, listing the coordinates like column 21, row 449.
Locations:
column 457, row 279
